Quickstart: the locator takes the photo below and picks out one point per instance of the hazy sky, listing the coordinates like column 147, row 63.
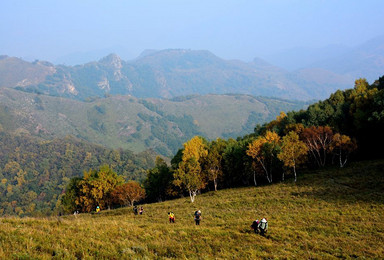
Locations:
column 231, row 29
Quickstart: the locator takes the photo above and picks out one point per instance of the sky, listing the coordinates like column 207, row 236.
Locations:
column 231, row 29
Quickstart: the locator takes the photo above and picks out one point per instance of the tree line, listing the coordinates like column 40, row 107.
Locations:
column 327, row 132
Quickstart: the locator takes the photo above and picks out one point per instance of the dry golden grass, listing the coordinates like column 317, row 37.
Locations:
column 328, row 214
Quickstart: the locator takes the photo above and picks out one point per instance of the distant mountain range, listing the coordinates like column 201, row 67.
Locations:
column 167, row 74
column 178, row 72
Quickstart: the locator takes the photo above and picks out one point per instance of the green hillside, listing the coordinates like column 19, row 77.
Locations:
column 137, row 124
column 332, row 213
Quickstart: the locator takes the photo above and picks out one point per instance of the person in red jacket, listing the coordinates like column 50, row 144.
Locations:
column 171, row 217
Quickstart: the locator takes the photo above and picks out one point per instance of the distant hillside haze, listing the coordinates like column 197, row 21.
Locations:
column 365, row 60
column 301, row 57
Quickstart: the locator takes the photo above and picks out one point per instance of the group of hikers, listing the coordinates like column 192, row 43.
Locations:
column 197, row 217
column 138, row 211
column 259, row 227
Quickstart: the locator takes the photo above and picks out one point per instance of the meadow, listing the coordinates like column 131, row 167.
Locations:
column 328, row 213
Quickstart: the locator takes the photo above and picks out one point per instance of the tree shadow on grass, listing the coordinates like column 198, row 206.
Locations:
column 361, row 181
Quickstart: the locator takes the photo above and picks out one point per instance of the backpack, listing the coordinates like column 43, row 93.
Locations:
column 263, row 225
column 254, row 224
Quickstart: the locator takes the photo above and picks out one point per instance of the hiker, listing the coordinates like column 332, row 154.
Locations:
column 171, row 217
column 197, row 217
column 255, row 226
column 141, row 211
column 135, row 210
column 263, row 226
column 97, row 209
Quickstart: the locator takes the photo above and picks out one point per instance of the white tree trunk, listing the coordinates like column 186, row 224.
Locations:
column 215, row 184
column 345, row 161
column 265, row 170
column 192, row 195
column 269, row 181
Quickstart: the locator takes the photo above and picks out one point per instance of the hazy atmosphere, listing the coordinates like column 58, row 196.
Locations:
column 73, row 32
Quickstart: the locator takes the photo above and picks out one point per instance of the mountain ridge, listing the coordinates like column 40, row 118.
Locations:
column 170, row 73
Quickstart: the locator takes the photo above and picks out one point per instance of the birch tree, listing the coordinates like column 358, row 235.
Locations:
column 318, row 140
column 189, row 175
column 264, row 149
column 293, row 151
column 214, row 159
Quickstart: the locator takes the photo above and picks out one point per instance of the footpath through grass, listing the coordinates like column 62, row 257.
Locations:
column 334, row 213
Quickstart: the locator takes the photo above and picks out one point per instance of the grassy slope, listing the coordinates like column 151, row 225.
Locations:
column 328, row 214
column 217, row 114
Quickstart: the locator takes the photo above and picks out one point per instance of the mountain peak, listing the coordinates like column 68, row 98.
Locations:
column 112, row 60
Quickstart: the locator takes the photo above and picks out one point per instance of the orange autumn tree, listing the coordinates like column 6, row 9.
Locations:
column 128, row 193
column 342, row 146
column 293, row 151
column 264, row 149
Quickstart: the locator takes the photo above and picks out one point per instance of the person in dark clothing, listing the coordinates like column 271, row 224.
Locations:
column 255, row 226
column 197, row 217
column 135, row 210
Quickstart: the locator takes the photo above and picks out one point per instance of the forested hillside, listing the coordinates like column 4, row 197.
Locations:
column 34, row 172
